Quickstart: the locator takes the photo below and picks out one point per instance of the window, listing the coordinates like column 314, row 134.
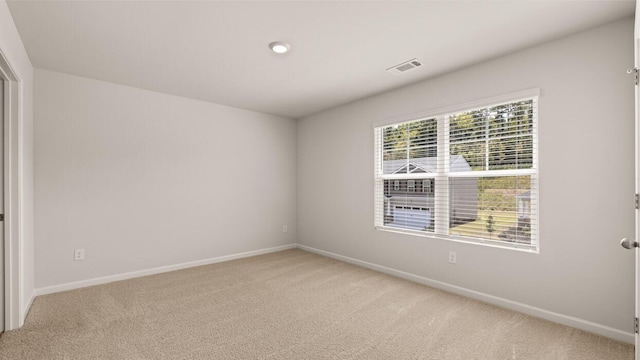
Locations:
column 411, row 185
column 426, row 185
column 477, row 168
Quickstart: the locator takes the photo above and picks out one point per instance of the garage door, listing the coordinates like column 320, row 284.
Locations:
column 411, row 217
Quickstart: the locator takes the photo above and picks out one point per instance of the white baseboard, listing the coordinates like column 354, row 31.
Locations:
column 158, row 270
column 495, row 300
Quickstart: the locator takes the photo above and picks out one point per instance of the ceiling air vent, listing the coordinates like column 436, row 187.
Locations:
column 405, row 66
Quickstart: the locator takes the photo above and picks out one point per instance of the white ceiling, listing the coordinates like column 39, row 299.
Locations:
column 217, row 51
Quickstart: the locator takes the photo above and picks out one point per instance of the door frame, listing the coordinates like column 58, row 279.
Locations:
column 13, row 197
column 636, row 64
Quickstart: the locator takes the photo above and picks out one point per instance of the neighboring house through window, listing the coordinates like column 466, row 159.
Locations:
column 477, row 168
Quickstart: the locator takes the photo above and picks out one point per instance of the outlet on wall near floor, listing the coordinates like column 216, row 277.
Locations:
column 78, row 254
column 452, row 257
column 285, row 228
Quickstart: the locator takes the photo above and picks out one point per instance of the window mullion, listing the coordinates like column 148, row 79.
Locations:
column 442, row 182
column 378, row 181
column 407, row 142
column 486, row 139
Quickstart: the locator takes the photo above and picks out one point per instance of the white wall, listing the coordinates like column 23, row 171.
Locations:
column 586, row 179
column 12, row 47
column 142, row 180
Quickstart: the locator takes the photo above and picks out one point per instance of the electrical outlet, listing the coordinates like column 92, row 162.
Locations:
column 285, row 228
column 78, row 254
column 452, row 257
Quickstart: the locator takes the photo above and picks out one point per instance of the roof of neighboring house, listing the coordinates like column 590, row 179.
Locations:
column 423, row 165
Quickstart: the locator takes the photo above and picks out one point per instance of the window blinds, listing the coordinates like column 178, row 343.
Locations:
column 468, row 175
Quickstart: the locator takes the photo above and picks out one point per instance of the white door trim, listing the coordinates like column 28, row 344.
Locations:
column 13, row 116
column 636, row 64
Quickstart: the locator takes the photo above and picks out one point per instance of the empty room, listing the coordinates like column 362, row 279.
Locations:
column 319, row 180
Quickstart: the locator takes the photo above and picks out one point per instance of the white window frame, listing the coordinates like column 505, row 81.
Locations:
column 442, row 176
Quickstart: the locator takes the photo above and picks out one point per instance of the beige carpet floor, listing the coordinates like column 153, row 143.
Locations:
column 287, row 305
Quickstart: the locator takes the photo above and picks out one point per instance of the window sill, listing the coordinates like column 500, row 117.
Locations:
column 532, row 249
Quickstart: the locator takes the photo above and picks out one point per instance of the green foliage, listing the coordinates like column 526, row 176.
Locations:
column 494, row 138
column 490, row 225
column 409, row 141
column 495, row 202
column 526, row 230
column 499, row 193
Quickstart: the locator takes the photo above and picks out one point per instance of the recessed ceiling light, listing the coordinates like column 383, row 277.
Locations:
column 279, row 47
